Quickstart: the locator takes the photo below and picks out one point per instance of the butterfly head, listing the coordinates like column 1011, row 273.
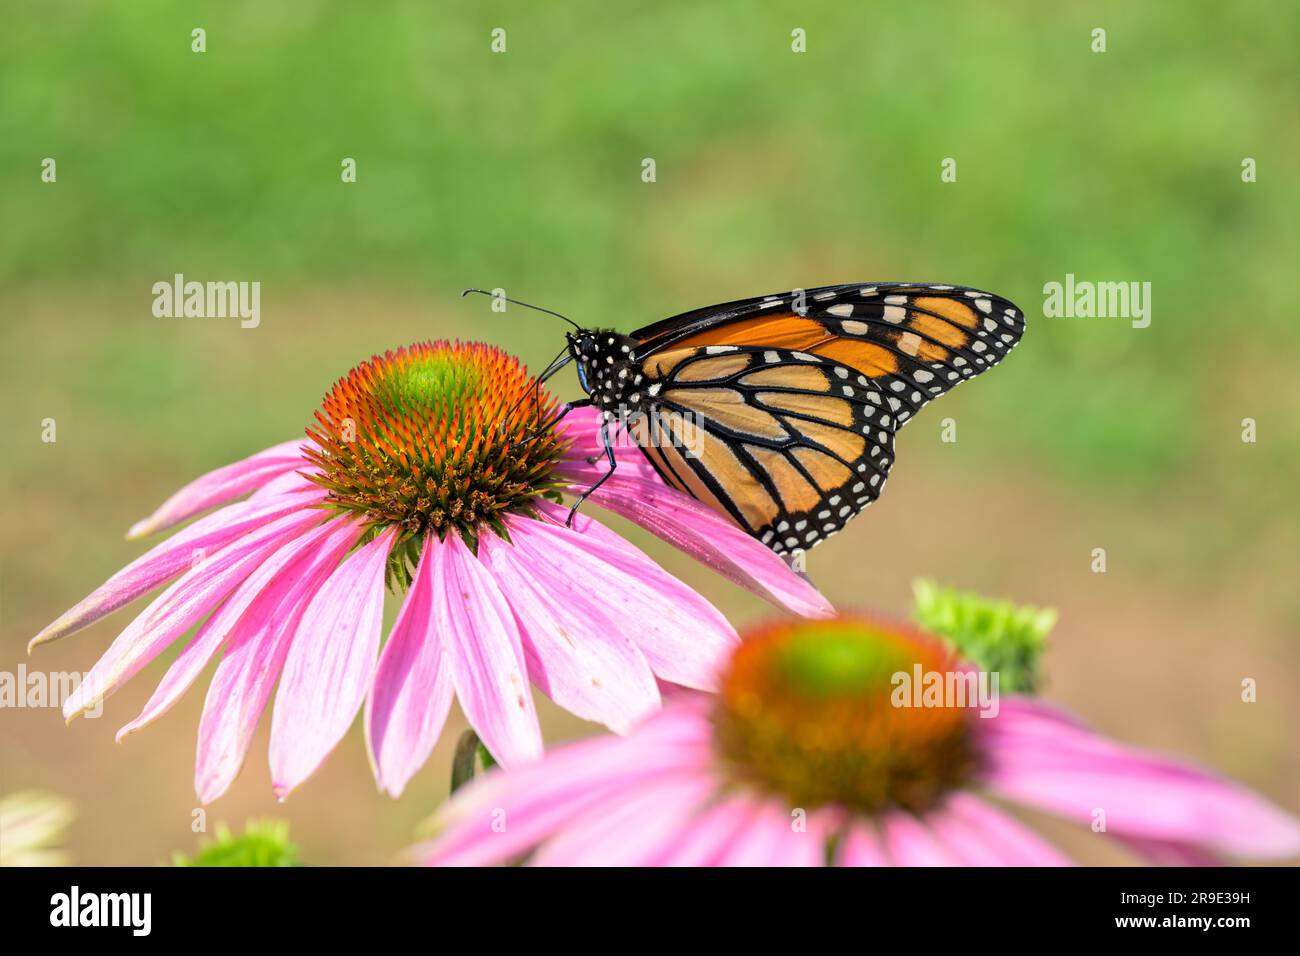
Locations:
column 607, row 367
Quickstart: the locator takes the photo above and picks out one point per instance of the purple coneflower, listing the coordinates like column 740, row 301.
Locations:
column 806, row 757
column 426, row 470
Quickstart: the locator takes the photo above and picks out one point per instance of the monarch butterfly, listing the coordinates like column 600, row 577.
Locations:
column 780, row 411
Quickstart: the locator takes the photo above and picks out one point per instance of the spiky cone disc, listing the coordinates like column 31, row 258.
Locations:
column 806, row 711
column 436, row 437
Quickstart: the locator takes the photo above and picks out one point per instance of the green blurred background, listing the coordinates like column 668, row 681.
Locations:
column 522, row 170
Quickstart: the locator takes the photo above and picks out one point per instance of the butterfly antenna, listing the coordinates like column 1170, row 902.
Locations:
column 526, row 305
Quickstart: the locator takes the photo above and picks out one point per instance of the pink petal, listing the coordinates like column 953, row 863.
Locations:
column 222, row 485
column 289, row 483
column 183, row 671
column 412, row 692
column 487, row 656
column 1007, row 841
column 773, row 838
column 194, row 658
column 978, row 835
column 182, row 605
column 255, row 654
column 909, row 842
column 862, row 847
column 578, row 652
column 630, row 827
column 1160, row 853
column 329, row 667
column 684, row 638
column 1043, row 759
column 170, row 558
column 636, row 492
column 705, row 838
column 502, row 815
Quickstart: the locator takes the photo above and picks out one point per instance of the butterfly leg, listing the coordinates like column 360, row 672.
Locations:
column 555, row 420
column 555, row 365
column 613, row 463
column 592, row 459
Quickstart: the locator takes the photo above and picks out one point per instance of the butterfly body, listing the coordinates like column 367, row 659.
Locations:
column 608, row 370
column 780, row 411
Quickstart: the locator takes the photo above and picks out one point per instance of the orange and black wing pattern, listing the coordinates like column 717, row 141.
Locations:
column 781, row 411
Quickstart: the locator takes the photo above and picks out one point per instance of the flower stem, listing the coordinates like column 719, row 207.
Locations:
column 464, row 763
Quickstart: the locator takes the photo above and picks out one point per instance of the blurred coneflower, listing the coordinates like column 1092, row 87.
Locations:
column 808, row 756
column 433, row 468
column 32, row 829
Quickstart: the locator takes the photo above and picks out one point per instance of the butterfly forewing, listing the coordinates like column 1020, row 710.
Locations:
column 888, row 332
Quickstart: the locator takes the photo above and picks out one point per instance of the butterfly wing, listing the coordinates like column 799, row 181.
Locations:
column 781, row 441
column 780, row 411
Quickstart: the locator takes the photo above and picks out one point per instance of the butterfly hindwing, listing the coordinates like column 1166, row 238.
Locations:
column 790, row 444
